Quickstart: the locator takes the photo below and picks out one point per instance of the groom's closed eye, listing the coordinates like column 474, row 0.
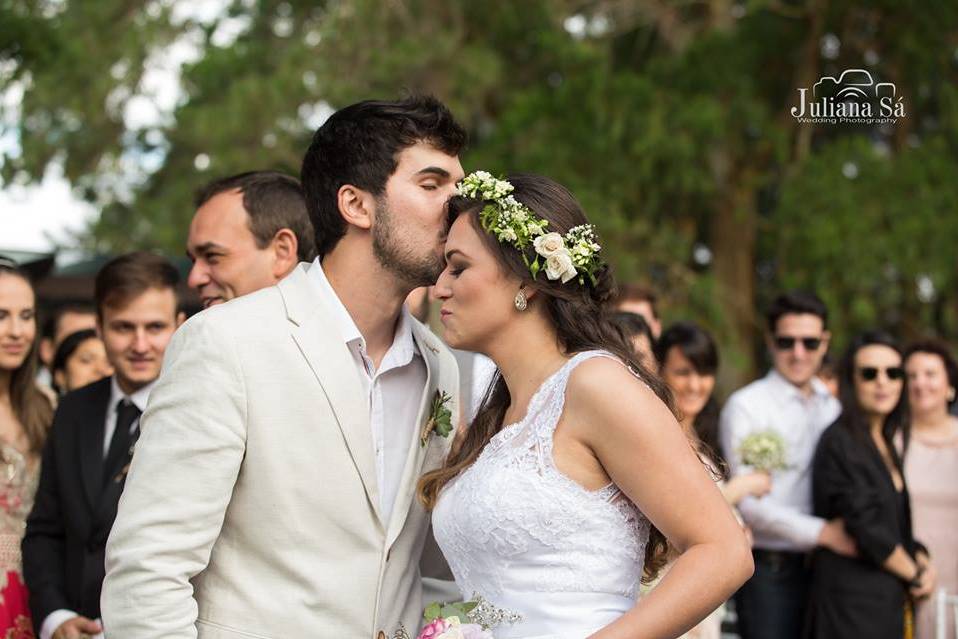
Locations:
column 433, row 177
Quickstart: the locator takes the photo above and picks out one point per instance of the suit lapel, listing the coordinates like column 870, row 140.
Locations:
column 91, row 426
column 417, row 453
column 333, row 366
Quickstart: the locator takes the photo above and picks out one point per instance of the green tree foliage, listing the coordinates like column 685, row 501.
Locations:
column 670, row 121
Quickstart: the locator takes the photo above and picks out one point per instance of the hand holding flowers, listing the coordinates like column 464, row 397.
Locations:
column 765, row 451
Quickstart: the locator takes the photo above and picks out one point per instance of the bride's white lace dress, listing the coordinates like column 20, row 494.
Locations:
column 532, row 541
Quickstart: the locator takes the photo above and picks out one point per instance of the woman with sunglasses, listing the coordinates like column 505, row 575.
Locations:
column 857, row 476
column 931, row 468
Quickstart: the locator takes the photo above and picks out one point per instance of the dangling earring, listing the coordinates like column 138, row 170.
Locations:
column 521, row 302
column 951, row 394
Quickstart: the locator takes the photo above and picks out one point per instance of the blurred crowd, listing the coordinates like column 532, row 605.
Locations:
column 852, row 535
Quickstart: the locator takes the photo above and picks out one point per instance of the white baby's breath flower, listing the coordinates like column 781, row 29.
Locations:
column 559, row 265
column 508, row 235
column 548, row 244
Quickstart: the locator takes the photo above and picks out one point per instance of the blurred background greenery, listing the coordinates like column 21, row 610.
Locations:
column 670, row 121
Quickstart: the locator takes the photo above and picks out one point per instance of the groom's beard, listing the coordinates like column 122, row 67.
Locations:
column 399, row 257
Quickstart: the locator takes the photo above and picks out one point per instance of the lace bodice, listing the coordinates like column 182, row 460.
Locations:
column 530, row 540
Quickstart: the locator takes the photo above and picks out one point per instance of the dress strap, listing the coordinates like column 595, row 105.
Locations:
column 552, row 399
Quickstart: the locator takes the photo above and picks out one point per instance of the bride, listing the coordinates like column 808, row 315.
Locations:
column 564, row 488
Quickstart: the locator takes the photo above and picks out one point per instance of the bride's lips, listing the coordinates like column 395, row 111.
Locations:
column 443, row 314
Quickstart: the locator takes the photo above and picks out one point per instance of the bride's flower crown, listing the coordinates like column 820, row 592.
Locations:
column 564, row 256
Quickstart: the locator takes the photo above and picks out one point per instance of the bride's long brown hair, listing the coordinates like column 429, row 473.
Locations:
column 578, row 313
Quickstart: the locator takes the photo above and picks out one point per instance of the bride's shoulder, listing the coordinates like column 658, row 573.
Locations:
column 608, row 408
column 600, row 384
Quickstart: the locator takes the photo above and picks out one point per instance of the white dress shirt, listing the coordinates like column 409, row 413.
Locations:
column 782, row 519
column 394, row 391
column 139, row 398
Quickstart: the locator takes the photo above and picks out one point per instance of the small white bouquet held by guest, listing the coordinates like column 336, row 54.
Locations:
column 764, row 451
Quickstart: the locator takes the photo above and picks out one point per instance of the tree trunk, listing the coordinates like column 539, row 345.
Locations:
column 734, row 231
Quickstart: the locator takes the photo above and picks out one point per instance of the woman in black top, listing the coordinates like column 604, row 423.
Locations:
column 857, row 476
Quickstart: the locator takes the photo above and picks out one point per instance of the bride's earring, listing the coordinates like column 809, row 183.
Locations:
column 521, row 302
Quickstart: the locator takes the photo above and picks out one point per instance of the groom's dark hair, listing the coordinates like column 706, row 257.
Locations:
column 359, row 145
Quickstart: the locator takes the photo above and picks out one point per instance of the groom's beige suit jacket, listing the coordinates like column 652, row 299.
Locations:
column 251, row 507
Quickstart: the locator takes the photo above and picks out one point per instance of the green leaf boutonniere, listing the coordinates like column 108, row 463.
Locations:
column 440, row 419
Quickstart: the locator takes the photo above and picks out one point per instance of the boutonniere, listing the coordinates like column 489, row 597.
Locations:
column 440, row 418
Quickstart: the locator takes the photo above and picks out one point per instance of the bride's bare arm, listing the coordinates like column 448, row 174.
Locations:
column 641, row 447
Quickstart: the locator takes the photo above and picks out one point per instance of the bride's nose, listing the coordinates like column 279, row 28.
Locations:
column 442, row 290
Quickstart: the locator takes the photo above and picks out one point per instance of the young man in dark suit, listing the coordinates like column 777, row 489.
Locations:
column 90, row 447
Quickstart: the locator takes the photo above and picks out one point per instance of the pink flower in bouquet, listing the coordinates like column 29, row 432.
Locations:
column 453, row 629
column 433, row 629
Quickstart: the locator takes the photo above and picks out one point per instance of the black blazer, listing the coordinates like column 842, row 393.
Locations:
column 857, row 597
column 65, row 539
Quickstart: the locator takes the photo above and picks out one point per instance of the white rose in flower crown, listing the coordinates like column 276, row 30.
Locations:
column 548, row 245
column 559, row 265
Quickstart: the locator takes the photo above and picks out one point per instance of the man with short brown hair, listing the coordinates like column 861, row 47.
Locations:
column 90, row 446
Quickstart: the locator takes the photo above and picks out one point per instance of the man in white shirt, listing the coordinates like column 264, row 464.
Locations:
column 273, row 489
column 90, row 444
column 792, row 402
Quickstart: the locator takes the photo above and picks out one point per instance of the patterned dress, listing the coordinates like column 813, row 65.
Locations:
column 18, row 485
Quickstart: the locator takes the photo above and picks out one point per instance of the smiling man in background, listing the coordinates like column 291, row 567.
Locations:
column 90, row 446
column 250, row 231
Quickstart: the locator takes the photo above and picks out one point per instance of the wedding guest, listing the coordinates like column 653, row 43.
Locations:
column 638, row 332
column 829, row 375
column 688, row 361
column 857, row 477
column 250, row 230
column 65, row 320
column 791, row 402
column 80, row 360
column 633, row 298
column 91, row 444
column 25, row 415
column 931, row 468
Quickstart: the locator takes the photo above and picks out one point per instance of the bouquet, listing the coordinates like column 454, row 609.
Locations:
column 764, row 451
column 462, row 620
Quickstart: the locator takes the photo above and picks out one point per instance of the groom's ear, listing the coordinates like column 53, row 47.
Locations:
column 356, row 206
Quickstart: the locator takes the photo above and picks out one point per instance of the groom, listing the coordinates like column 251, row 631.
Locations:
column 272, row 489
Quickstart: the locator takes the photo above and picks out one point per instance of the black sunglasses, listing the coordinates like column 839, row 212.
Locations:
column 870, row 373
column 788, row 343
